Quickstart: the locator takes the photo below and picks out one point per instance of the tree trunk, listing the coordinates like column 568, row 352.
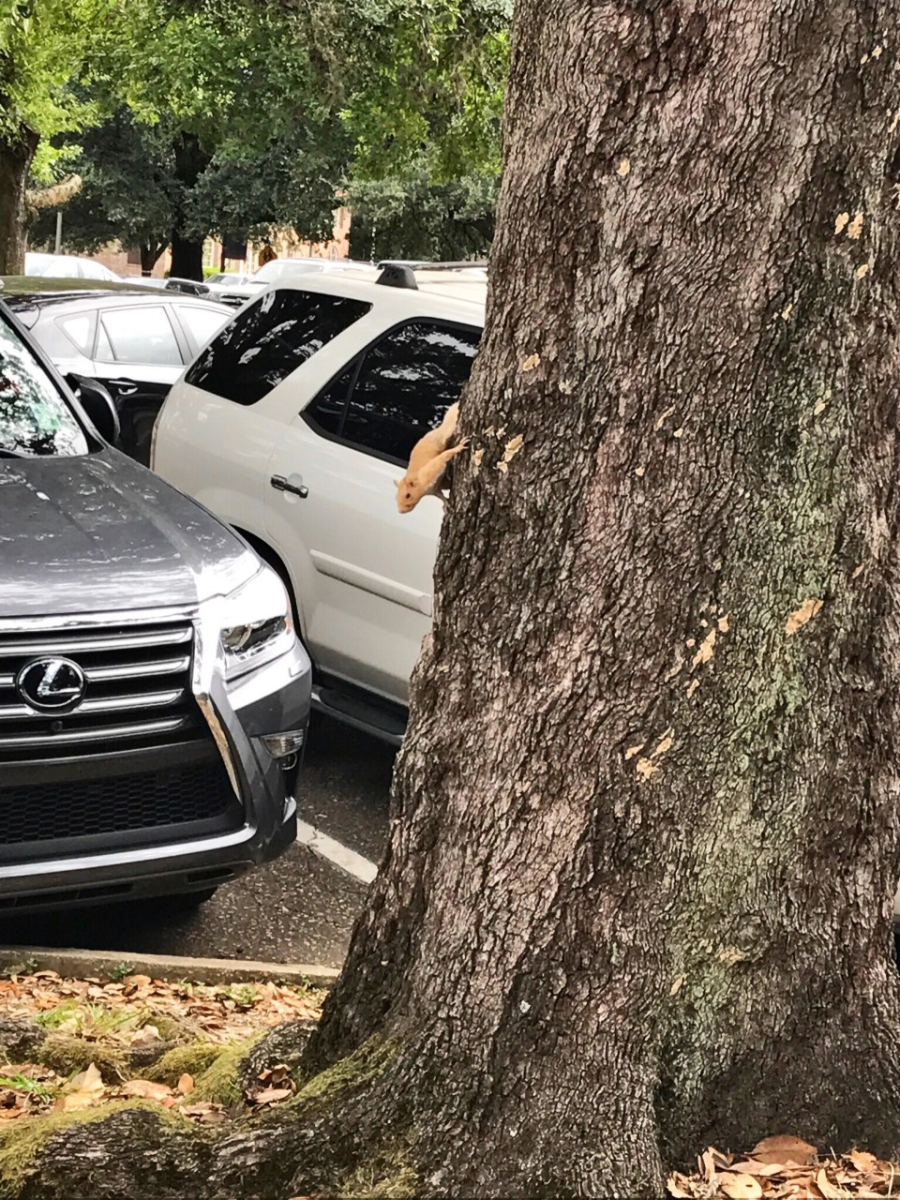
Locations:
column 645, row 826
column 644, row 833
column 191, row 160
column 16, row 156
column 151, row 253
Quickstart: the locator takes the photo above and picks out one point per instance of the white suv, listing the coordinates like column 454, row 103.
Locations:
column 293, row 425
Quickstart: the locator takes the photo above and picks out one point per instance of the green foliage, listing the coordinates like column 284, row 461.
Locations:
column 45, row 47
column 287, row 103
column 408, row 217
column 430, row 81
column 128, row 189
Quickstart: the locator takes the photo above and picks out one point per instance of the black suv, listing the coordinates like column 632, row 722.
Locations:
column 153, row 694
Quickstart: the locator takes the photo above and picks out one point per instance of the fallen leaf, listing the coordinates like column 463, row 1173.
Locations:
column 677, row 1186
column 855, row 228
column 752, row 1166
column 784, row 1148
column 827, row 1188
column 863, row 1160
column 741, row 1187
column 186, row 1085
column 88, row 1088
column 842, row 222
column 270, row 1096
column 532, row 361
column 144, row 1089
column 801, row 615
column 624, row 167
column 205, row 1112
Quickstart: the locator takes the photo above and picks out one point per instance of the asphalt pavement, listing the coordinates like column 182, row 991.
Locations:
column 301, row 908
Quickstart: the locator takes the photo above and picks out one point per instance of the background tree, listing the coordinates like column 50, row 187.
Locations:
column 645, row 828
column 127, row 193
column 407, row 216
column 44, row 46
column 226, row 79
column 250, row 115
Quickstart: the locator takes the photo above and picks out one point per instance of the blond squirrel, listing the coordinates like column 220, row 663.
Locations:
column 428, row 462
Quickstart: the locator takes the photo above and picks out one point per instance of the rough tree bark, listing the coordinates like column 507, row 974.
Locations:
column 191, row 160
column 645, row 822
column 16, row 155
column 644, row 831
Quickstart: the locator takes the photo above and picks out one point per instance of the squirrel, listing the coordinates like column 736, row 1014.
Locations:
column 428, row 462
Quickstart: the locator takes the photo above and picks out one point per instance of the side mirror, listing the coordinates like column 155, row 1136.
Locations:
column 99, row 406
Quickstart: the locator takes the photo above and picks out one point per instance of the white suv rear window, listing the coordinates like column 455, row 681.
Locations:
column 268, row 340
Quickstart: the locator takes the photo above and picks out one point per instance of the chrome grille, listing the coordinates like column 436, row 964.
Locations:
column 137, row 692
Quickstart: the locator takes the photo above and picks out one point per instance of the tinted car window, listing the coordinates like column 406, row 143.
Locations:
column 34, row 418
column 138, row 335
column 202, row 323
column 268, row 340
column 328, row 409
column 406, row 383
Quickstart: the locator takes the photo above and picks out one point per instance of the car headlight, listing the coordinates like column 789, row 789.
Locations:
column 256, row 623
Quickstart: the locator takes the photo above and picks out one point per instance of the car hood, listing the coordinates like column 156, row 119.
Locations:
column 99, row 533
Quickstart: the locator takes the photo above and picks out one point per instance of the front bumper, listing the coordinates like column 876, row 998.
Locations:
column 257, row 823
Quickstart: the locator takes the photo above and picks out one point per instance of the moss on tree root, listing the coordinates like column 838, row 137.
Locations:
column 140, row 1147
column 22, row 1142
column 220, row 1082
column 347, row 1075
column 194, row 1060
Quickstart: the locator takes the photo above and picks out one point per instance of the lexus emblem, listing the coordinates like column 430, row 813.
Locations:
column 51, row 684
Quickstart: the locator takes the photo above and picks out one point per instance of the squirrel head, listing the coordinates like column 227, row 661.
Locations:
column 407, row 496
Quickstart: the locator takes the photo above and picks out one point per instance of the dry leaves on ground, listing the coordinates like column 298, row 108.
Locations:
column 134, row 1013
column 786, row 1168
column 276, row 1085
column 122, row 1012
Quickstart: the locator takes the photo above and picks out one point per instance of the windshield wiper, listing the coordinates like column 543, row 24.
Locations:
column 13, row 454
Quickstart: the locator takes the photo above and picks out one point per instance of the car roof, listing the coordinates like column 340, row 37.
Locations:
column 74, row 295
column 457, row 294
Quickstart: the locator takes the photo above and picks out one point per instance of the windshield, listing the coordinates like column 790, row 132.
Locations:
column 34, row 418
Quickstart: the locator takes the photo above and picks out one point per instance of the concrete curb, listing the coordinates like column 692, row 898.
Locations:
column 77, row 964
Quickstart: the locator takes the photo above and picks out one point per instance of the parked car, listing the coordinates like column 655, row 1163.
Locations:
column 280, row 270
column 227, row 279
column 153, row 694
column 136, row 343
column 293, row 424
column 67, row 266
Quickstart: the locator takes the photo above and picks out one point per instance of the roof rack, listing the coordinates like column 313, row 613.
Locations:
column 398, row 276
column 416, row 264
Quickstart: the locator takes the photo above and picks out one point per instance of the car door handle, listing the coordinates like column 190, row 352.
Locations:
column 280, row 484
column 127, row 387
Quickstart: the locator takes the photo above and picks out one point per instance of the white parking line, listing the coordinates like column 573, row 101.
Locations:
column 342, row 856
